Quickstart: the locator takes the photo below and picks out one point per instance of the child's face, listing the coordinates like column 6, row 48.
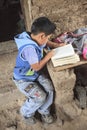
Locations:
column 44, row 39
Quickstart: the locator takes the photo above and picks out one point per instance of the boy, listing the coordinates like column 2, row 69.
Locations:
column 27, row 76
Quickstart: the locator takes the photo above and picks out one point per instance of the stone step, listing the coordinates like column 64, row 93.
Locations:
column 7, row 47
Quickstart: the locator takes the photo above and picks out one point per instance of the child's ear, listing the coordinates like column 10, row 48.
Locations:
column 43, row 35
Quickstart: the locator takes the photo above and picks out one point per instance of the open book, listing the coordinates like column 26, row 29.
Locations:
column 65, row 55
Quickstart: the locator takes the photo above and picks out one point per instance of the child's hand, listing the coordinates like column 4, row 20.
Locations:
column 54, row 44
column 61, row 44
column 50, row 54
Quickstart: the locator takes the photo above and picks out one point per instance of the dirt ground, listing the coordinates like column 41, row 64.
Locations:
column 10, row 118
column 69, row 15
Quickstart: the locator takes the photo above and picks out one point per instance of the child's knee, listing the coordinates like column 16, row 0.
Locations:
column 38, row 95
column 43, row 98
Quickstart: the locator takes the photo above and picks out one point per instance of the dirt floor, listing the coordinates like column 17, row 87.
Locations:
column 69, row 15
column 10, row 118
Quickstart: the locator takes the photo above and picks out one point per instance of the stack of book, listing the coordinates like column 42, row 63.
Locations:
column 65, row 55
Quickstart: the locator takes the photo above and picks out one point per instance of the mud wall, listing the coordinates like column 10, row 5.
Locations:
column 67, row 14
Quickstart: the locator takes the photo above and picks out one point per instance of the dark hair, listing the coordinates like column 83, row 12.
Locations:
column 43, row 24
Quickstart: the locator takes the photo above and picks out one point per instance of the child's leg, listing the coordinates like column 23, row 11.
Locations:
column 48, row 87
column 36, row 97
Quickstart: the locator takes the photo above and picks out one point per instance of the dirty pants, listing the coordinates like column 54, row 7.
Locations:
column 40, row 96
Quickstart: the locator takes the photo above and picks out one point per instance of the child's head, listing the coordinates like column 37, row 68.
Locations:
column 43, row 27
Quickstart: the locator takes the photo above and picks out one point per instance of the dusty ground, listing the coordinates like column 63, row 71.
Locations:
column 69, row 15
column 10, row 118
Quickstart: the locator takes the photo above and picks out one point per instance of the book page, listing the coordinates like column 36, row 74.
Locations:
column 63, row 51
column 66, row 60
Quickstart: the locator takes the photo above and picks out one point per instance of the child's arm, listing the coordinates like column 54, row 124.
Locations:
column 47, row 57
column 54, row 45
column 40, row 64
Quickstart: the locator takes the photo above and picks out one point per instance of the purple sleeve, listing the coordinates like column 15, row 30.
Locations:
column 29, row 54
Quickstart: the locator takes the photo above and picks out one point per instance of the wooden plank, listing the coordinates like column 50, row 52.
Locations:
column 60, row 68
column 26, row 9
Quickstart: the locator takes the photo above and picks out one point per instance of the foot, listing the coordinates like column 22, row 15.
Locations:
column 47, row 119
column 29, row 120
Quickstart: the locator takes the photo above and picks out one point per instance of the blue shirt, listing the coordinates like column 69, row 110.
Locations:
column 29, row 54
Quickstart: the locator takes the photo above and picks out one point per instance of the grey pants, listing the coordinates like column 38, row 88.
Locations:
column 40, row 96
